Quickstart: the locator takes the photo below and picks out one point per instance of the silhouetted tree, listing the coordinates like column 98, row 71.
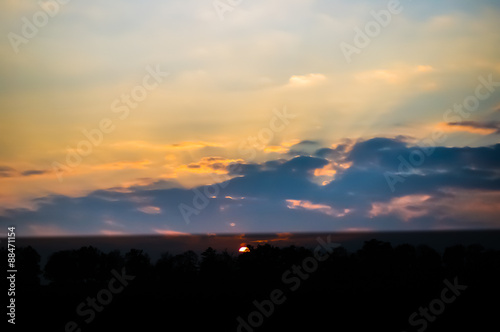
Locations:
column 138, row 263
column 454, row 258
column 186, row 263
column 82, row 266
column 28, row 261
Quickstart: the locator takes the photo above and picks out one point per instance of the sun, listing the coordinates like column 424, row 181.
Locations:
column 244, row 249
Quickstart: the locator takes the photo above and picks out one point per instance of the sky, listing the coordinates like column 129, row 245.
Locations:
column 235, row 117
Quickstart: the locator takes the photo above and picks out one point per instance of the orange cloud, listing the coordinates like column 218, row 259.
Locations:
column 470, row 127
column 234, row 198
column 150, row 209
column 123, row 165
column 284, row 147
column 142, row 145
column 327, row 170
column 193, row 145
column 209, row 165
column 169, row 232
column 279, row 237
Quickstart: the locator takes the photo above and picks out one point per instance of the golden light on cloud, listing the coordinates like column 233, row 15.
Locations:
column 388, row 76
column 327, row 170
column 424, row 69
column 284, row 147
column 467, row 126
column 305, row 80
column 168, row 232
column 276, row 149
column 209, row 165
column 290, row 142
column 143, row 145
column 395, row 75
column 124, row 165
column 192, row 145
column 233, row 197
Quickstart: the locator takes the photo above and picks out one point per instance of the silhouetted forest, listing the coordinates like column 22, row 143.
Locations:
column 375, row 288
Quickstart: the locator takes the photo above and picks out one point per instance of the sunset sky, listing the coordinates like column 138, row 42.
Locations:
column 197, row 117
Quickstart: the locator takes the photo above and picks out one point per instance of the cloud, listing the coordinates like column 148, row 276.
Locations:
column 298, row 204
column 276, row 149
column 306, row 80
column 108, row 232
column 406, row 207
column 424, row 69
column 193, row 145
column 210, row 165
column 119, row 165
column 34, row 172
column 46, row 230
column 394, row 75
column 453, row 187
column 304, row 148
column 169, row 232
column 7, row 172
column 150, row 209
column 475, row 127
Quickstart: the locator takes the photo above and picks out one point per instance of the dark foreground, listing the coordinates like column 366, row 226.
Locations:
column 285, row 283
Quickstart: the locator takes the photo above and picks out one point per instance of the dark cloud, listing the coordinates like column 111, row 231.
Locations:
column 376, row 152
column 256, row 200
column 301, row 164
column 7, row 172
column 337, row 153
column 389, row 154
column 308, row 142
column 246, row 169
column 33, row 172
column 492, row 125
column 304, row 148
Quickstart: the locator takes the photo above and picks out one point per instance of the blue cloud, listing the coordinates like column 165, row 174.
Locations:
column 258, row 199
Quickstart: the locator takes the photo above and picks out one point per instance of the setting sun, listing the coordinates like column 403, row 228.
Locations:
column 244, row 249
